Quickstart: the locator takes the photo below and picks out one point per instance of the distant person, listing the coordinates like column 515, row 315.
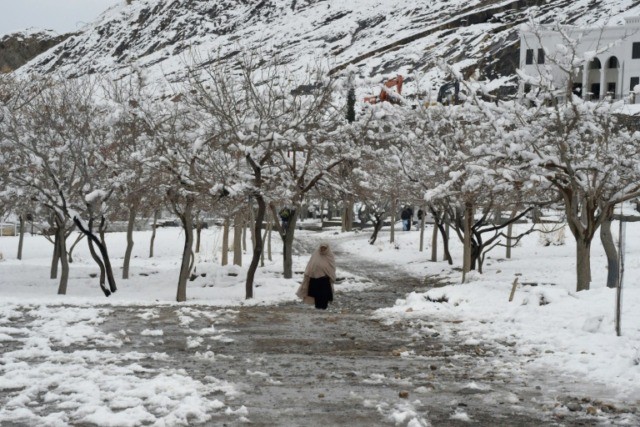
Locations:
column 420, row 215
column 406, row 215
column 285, row 215
column 319, row 277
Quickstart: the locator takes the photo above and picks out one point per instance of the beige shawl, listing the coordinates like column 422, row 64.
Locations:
column 322, row 263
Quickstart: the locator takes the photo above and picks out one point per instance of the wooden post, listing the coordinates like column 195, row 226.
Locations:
column 513, row 289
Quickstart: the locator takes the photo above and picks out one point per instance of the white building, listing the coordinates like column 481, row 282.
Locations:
column 607, row 59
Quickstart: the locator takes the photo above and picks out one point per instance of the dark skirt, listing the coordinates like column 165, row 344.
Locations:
column 320, row 289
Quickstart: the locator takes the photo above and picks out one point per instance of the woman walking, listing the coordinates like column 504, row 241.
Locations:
column 319, row 277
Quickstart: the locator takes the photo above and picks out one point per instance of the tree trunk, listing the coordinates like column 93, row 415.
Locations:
column 612, row 253
column 392, row 232
column 348, row 214
column 245, row 225
column 21, row 238
column 377, row 226
column 264, row 236
column 466, row 257
column 198, row 235
column 444, row 232
column 270, row 226
column 252, row 220
column 257, row 248
column 422, row 230
column 225, row 241
column 102, row 246
column 287, row 245
column 73, row 246
column 583, row 264
column 434, row 243
column 185, row 266
column 96, row 258
column 153, row 232
column 56, row 255
column 127, row 253
column 476, row 257
column 510, row 232
column 238, row 225
column 64, row 262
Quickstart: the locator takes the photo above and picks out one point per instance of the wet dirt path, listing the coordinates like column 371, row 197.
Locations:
column 345, row 368
column 292, row 365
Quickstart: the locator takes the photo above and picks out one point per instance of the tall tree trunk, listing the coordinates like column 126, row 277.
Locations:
column 422, row 230
column 97, row 260
column 127, row 253
column 198, row 235
column 583, row 264
column 434, row 243
column 55, row 259
column 64, row 262
column 153, row 232
column 245, row 225
column 238, row 225
column 225, row 241
column 264, row 236
column 105, row 255
column 21, row 238
column 252, row 220
column 612, row 253
column 392, row 232
column 446, row 255
column 185, row 266
column 257, row 248
column 468, row 223
column 348, row 214
column 269, row 256
column 287, row 245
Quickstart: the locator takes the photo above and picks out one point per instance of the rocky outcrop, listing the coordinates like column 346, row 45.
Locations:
column 19, row 48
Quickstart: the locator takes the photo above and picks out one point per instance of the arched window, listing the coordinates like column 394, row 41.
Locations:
column 613, row 62
column 595, row 64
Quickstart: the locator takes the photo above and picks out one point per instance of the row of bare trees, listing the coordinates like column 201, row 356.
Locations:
column 250, row 137
column 240, row 140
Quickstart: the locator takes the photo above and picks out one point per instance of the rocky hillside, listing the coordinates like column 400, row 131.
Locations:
column 379, row 37
column 19, row 48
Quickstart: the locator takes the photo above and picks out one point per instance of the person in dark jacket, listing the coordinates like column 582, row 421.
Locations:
column 406, row 215
column 285, row 214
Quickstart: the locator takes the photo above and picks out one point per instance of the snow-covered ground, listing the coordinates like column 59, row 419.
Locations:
column 552, row 324
column 556, row 328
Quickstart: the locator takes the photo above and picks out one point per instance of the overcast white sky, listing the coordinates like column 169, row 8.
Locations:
column 59, row 15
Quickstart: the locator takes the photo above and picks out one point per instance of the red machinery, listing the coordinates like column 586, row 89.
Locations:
column 384, row 93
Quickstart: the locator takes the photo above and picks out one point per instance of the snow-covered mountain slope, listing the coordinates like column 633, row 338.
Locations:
column 380, row 37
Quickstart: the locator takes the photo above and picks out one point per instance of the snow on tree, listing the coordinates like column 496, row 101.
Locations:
column 282, row 133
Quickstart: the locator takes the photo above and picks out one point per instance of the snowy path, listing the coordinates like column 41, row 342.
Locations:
column 286, row 365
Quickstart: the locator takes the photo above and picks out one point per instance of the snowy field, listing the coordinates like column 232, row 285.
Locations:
column 550, row 324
